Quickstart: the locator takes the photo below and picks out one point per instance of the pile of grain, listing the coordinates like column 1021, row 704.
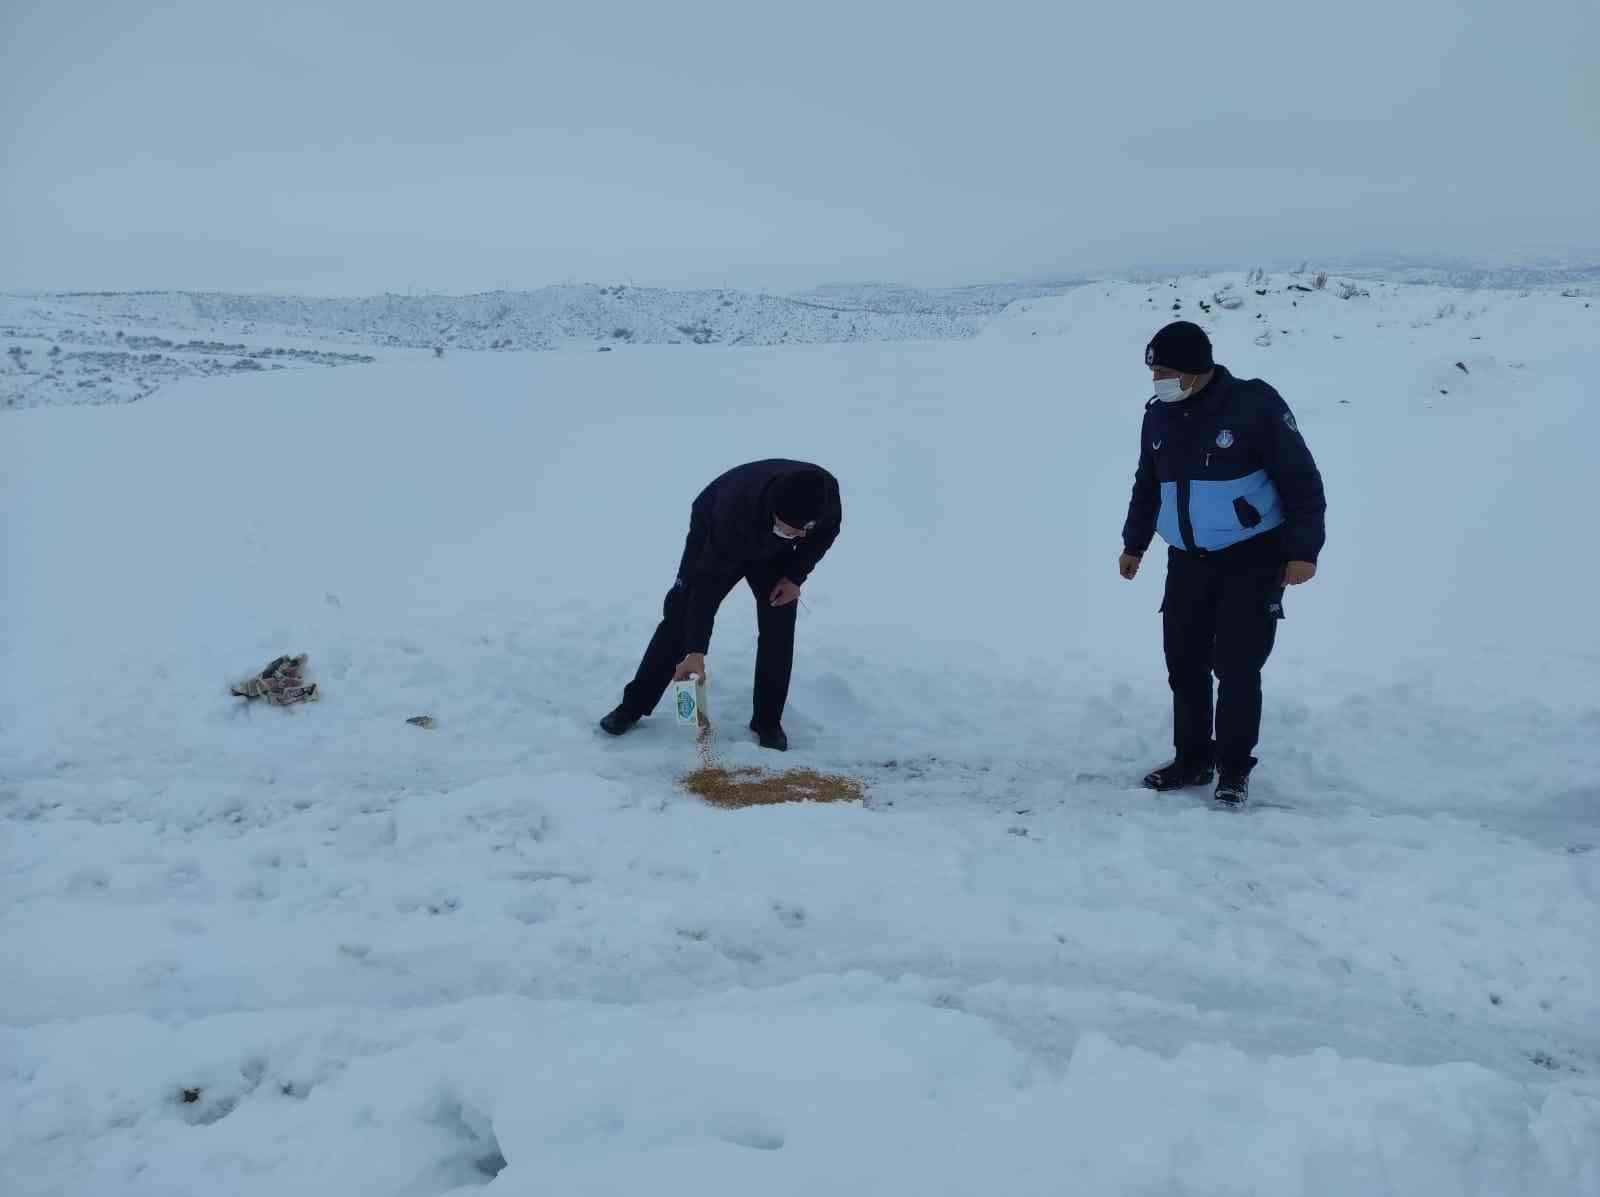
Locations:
column 750, row 786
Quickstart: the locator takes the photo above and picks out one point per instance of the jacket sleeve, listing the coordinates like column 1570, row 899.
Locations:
column 1145, row 504
column 1289, row 464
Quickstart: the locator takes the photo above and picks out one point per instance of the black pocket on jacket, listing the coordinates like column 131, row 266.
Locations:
column 1249, row 517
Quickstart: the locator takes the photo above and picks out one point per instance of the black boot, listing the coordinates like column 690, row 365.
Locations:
column 1233, row 787
column 772, row 737
column 618, row 721
column 1179, row 774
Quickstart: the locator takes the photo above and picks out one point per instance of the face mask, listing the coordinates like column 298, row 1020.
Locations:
column 782, row 535
column 1170, row 390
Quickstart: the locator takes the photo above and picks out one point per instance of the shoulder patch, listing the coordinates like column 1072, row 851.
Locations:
column 1288, row 418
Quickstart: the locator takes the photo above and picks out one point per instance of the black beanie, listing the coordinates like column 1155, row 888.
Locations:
column 798, row 498
column 1180, row 346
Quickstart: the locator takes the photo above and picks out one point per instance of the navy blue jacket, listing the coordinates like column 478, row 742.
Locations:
column 1222, row 467
column 730, row 534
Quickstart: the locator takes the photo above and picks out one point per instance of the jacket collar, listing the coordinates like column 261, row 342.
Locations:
column 1220, row 381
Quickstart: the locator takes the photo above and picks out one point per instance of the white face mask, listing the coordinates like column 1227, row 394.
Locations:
column 782, row 535
column 1170, row 390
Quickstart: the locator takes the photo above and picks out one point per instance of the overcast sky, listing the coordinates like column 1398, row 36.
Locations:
column 360, row 147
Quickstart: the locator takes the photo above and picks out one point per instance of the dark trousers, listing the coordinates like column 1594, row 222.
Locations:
column 774, row 648
column 1220, row 615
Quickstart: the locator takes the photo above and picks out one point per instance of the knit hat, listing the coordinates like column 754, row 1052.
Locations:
column 1180, row 346
column 798, row 498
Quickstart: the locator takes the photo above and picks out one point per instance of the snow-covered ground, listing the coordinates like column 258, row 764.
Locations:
column 318, row 950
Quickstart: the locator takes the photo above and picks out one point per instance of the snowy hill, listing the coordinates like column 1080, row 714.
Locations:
column 320, row 950
column 116, row 347
column 1538, row 272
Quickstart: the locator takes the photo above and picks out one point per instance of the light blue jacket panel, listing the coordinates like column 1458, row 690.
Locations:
column 1214, row 512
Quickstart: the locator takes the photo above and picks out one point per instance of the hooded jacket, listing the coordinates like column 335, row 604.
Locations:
column 730, row 534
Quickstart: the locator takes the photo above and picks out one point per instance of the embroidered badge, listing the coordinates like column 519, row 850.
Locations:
column 1288, row 418
column 1224, row 438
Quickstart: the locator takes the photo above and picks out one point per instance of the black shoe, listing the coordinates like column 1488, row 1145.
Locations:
column 1233, row 788
column 771, row 737
column 618, row 722
column 1178, row 775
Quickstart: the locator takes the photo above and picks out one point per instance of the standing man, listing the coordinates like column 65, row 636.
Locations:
column 768, row 523
column 1225, row 476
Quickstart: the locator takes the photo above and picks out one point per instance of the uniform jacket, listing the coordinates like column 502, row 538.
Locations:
column 1222, row 467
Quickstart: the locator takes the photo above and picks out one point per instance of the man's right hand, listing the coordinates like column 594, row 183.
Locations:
column 1128, row 565
column 694, row 665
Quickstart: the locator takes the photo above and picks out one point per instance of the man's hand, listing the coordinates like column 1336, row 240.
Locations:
column 1298, row 572
column 694, row 665
column 1128, row 565
column 784, row 593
